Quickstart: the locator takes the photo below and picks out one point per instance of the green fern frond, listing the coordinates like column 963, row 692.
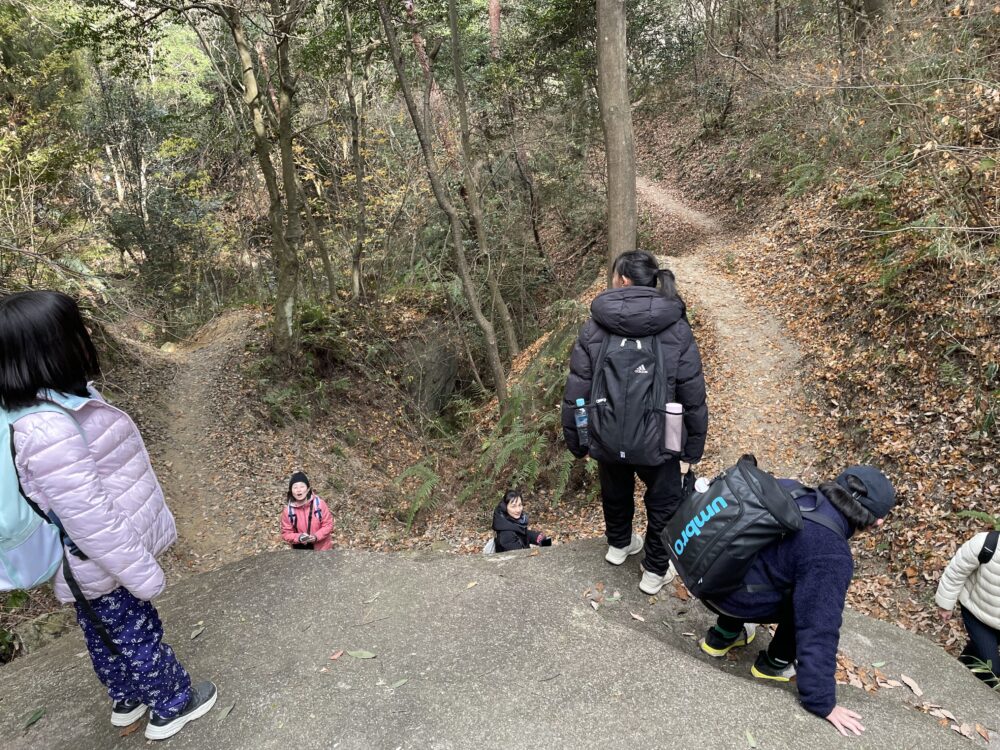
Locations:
column 424, row 498
column 564, row 462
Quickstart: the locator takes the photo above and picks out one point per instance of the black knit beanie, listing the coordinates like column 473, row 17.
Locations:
column 299, row 476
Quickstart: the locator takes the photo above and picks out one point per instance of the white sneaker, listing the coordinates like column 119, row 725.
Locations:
column 618, row 555
column 652, row 583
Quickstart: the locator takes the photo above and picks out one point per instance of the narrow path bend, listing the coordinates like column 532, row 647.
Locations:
column 755, row 394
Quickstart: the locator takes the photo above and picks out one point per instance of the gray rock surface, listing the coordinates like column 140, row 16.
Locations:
column 500, row 651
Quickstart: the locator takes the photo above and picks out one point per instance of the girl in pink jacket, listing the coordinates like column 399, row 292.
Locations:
column 306, row 522
column 85, row 467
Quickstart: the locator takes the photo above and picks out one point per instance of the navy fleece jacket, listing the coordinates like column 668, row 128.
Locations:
column 816, row 564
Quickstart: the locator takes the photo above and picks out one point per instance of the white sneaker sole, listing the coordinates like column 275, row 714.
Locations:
column 618, row 555
column 169, row 730
column 127, row 720
column 654, row 588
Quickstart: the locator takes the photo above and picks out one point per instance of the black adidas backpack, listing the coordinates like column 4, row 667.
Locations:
column 628, row 402
column 715, row 535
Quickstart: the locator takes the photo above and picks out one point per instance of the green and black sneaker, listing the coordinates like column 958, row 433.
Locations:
column 717, row 643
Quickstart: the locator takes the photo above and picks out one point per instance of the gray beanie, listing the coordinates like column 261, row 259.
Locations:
column 879, row 495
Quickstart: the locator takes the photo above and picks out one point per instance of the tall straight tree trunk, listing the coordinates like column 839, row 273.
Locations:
column 616, row 122
column 441, row 195
column 777, row 29
column 358, row 159
column 495, row 28
column 288, row 261
column 471, row 192
column 285, row 257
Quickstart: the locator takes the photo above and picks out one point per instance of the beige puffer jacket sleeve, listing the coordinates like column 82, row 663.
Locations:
column 976, row 586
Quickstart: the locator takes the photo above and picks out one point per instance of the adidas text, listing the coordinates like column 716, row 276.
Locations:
column 695, row 525
column 641, row 370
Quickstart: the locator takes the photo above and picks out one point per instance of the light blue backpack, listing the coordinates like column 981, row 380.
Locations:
column 31, row 548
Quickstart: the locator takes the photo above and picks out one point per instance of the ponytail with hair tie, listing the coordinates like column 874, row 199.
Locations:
column 667, row 283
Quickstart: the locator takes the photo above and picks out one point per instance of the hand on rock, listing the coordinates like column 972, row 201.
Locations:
column 845, row 720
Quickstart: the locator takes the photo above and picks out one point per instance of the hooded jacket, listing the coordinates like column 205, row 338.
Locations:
column 512, row 534
column 815, row 564
column 976, row 586
column 93, row 471
column 637, row 311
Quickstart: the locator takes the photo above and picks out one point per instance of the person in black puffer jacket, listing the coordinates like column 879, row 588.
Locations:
column 634, row 307
column 510, row 523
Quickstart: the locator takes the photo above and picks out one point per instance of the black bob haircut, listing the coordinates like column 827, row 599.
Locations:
column 44, row 344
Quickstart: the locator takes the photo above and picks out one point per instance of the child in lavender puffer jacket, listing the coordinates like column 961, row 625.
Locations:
column 87, row 468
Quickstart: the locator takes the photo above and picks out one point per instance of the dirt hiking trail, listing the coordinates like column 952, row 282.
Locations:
column 755, row 397
column 190, row 464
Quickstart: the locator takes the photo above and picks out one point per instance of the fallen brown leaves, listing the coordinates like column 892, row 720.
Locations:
column 898, row 345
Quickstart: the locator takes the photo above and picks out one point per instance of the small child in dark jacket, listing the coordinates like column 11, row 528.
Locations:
column 510, row 523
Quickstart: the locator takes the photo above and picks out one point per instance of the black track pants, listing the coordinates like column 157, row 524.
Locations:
column 663, row 495
column 782, row 644
column 983, row 647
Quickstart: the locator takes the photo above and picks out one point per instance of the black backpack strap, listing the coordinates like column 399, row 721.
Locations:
column 808, row 514
column 817, row 517
column 813, row 514
column 989, row 547
column 598, row 365
column 88, row 610
column 667, row 394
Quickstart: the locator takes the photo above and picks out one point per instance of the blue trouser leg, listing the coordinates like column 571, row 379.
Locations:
column 146, row 668
column 983, row 646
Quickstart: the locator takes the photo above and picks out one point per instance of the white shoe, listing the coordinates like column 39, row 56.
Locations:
column 618, row 555
column 652, row 583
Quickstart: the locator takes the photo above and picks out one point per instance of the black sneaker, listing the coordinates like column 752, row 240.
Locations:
column 202, row 699
column 126, row 713
column 715, row 645
column 764, row 669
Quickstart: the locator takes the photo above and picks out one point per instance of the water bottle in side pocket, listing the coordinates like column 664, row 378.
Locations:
column 580, row 418
column 673, row 441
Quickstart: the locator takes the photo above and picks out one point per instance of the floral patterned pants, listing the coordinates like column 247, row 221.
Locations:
column 146, row 668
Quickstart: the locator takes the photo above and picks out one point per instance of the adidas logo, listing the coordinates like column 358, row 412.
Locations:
column 641, row 370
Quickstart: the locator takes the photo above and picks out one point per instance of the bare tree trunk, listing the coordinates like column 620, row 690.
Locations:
column 116, row 174
column 471, row 192
column 777, row 29
column 468, row 287
column 436, row 97
column 288, row 261
column 317, row 238
column 495, row 28
column 534, row 204
column 616, row 122
column 285, row 257
column 357, row 157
